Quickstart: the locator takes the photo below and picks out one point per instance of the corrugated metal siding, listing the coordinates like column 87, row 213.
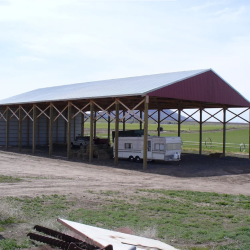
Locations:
column 2, row 129
column 41, row 130
column 13, row 134
column 59, row 129
column 25, row 131
column 116, row 87
column 206, row 87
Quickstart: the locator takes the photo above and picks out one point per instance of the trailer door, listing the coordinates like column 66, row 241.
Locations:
column 149, row 153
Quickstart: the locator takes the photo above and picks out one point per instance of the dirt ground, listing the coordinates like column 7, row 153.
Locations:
column 44, row 175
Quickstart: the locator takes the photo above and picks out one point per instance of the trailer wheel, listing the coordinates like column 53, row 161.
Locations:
column 137, row 159
column 131, row 158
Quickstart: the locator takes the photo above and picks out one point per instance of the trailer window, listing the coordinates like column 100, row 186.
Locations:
column 159, row 146
column 149, row 145
column 174, row 146
column 128, row 145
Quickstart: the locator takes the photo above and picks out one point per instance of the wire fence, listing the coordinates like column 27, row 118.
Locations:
column 209, row 144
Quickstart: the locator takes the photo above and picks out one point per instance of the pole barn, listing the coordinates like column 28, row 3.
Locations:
column 56, row 114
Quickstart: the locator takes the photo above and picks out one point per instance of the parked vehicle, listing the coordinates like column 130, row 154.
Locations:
column 158, row 148
column 80, row 141
column 84, row 141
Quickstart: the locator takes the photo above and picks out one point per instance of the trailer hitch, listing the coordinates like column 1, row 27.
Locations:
column 63, row 241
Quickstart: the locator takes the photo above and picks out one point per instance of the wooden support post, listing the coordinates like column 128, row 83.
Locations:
column 74, row 127
column 116, row 132
column 82, row 125
column 47, row 130
column 28, row 132
column 57, row 125
column 51, row 129
column 140, row 120
column 124, row 121
column 65, row 129
column 34, row 130
column 145, row 141
column 224, row 131
column 91, row 128
column 109, row 127
column 7, row 127
column 38, row 130
column 159, row 122
column 200, row 138
column 20, row 130
column 95, row 125
column 179, row 122
column 69, row 131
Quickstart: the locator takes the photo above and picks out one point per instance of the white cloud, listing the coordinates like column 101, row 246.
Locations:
column 204, row 6
column 228, row 14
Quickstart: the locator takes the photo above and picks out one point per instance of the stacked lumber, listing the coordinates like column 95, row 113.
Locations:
column 101, row 151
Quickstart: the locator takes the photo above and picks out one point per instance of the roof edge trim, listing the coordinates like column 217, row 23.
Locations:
column 230, row 85
column 184, row 78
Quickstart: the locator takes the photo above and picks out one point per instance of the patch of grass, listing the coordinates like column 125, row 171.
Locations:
column 12, row 244
column 186, row 219
column 8, row 179
column 179, row 216
column 44, row 206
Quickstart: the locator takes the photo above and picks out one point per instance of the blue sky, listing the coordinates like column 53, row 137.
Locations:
column 48, row 43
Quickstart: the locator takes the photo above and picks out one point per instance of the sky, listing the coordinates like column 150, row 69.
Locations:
column 56, row 42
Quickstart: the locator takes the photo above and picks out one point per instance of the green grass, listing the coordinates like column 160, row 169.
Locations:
column 44, row 206
column 12, row 244
column 166, row 127
column 236, row 134
column 8, row 179
column 185, row 219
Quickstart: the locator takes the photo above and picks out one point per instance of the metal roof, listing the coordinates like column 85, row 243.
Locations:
column 131, row 86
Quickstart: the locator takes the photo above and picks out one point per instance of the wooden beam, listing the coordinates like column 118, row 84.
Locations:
column 28, row 132
column 200, row 137
column 7, row 127
column 82, row 124
column 65, row 130
column 91, row 128
column 47, row 131
column 141, row 119
column 95, row 125
column 57, row 124
column 124, row 121
column 109, row 127
column 51, row 129
column 224, row 131
column 20, row 130
column 179, row 122
column 116, row 132
column 145, row 141
column 34, row 130
column 69, row 130
column 159, row 122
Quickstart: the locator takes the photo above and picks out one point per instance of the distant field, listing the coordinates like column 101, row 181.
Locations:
column 168, row 127
column 235, row 135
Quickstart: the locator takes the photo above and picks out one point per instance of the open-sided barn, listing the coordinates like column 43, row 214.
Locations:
column 46, row 115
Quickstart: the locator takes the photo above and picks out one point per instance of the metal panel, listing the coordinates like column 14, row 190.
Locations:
column 206, row 87
column 13, row 136
column 116, row 87
column 41, row 138
column 2, row 129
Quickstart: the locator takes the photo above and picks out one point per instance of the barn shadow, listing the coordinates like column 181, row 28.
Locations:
column 191, row 165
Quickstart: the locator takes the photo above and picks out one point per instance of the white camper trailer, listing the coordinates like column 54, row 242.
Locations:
column 159, row 148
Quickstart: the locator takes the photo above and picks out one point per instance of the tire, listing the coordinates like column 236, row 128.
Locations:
column 137, row 159
column 131, row 158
